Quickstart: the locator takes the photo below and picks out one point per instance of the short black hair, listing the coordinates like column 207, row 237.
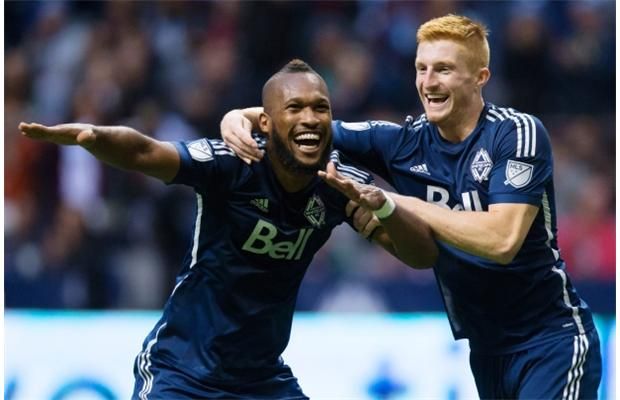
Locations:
column 292, row 67
column 297, row 65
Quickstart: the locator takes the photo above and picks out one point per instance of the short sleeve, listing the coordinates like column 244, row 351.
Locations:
column 208, row 165
column 523, row 164
column 371, row 144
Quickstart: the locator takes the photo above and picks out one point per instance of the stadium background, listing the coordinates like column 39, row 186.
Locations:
column 82, row 236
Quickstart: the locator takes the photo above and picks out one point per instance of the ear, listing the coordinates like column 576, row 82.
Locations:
column 265, row 124
column 484, row 74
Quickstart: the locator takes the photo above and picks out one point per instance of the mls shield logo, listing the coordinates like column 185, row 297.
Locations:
column 481, row 166
column 315, row 211
column 200, row 150
column 518, row 174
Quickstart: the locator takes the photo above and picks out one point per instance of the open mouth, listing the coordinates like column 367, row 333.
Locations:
column 436, row 99
column 308, row 141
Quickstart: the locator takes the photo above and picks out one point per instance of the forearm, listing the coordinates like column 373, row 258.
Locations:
column 475, row 232
column 126, row 148
column 411, row 238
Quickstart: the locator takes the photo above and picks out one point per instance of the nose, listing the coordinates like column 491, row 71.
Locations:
column 309, row 117
column 429, row 80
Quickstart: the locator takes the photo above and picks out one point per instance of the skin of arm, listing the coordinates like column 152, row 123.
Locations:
column 368, row 225
column 119, row 146
column 411, row 238
column 496, row 234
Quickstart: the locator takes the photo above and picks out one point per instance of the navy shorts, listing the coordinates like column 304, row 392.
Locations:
column 567, row 368
column 154, row 380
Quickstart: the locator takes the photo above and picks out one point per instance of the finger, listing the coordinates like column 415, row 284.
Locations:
column 242, row 143
column 34, row 130
column 240, row 150
column 343, row 185
column 351, row 207
column 362, row 217
column 370, row 227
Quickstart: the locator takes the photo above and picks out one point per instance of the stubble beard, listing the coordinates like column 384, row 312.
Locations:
column 291, row 164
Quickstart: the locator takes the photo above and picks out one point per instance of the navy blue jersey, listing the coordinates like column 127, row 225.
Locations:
column 506, row 159
column 229, row 316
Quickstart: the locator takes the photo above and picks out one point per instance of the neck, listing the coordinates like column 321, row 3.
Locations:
column 457, row 129
column 291, row 181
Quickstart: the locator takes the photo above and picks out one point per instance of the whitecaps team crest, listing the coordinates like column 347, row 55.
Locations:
column 481, row 166
column 200, row 150
column 518, row 174
column 315, row 211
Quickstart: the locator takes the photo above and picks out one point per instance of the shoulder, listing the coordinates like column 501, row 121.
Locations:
column 364, row 126
column 525, row 131
column 507, row 118
column 348, row 169
column 204, row 149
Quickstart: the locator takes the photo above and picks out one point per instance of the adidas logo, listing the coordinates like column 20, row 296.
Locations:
column 420, row 169
column 261, row 204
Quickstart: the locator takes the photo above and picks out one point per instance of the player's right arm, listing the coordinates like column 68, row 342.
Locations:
column 408, row 237
column 120, row 146
column 371, row 144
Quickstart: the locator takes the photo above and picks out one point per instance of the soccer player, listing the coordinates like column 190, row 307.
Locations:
column 482, row 177
column 257, row 229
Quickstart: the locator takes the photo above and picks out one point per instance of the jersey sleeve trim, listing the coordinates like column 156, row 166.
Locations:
column 521, row 198
column 525, row 128
column 349, row 171
column 183, row 155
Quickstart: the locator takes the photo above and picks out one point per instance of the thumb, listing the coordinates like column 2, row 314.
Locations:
column 86, row 138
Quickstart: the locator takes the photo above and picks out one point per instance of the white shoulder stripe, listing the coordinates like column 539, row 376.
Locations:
column 525, row 126
column 225, row 153
column 351, row 171
column 496, row 114
column 533, row 147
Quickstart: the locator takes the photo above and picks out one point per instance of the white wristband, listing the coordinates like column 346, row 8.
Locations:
column 386, row 209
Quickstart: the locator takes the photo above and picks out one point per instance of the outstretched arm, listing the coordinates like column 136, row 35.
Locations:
column 411, row 237
column 119, row 146
column 236, row 128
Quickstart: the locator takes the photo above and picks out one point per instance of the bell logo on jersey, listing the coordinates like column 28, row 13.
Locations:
column 261, row 242
column 470, row 201
column 518, row 174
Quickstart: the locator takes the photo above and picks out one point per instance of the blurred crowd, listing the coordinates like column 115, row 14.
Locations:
column 79, row 234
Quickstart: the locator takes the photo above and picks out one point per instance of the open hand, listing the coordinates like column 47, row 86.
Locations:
column 368, row 196
column 236, row 131
column 67, row 134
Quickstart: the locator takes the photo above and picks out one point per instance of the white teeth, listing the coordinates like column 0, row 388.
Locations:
column 435, row 96
column 308, row 136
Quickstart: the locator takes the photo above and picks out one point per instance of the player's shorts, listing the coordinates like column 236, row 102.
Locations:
column 566, row 368
column 162, row 383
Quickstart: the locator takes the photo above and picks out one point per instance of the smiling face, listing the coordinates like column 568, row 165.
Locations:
column 298, row 120
column 449, row 85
